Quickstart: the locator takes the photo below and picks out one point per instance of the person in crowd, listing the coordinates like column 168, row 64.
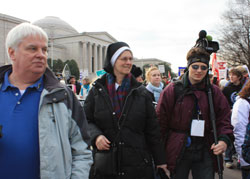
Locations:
column 234, row 86
column 84, row 88
column 246, row 154
column 75, row 85
column 154, row 84
column 231, row 92
column 213, row 78
column 244, row 70
column 43, row 125
column 223, row 83
column 184, row 118
column 137, row 73
column 165, row 81
column 240, row 119
column 122, row 119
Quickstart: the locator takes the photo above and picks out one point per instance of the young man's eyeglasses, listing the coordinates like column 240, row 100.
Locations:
column 202, row 67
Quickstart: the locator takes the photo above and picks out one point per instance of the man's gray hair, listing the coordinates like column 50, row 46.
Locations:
column 21, row 31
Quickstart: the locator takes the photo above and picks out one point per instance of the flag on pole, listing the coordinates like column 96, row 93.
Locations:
column 215, row 66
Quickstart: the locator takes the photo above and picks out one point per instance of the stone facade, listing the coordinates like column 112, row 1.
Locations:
column 152, row 61
column 6, row 23
column 65, row 43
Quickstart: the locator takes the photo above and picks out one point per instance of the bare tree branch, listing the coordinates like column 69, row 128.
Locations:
column 235, row 33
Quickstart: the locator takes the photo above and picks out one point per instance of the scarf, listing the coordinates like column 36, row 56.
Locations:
column 118, row 96
column 155, row 90
column 86, row 87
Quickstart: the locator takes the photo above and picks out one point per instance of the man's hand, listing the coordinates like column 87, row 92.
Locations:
column 219, row 148
column 102, row 143
column 164, row 167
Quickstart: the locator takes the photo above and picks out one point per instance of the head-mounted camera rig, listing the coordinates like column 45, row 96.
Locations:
column 205, row 41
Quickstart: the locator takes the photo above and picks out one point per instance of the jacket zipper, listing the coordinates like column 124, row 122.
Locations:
column 109, row 102
column 119, row 127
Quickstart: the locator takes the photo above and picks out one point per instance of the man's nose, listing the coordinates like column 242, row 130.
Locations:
column 41, row 53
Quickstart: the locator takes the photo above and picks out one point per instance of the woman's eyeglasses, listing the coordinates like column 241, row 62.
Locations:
column 202, row 67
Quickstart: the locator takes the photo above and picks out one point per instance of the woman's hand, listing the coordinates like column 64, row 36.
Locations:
column 102, row 143
column 219, row 148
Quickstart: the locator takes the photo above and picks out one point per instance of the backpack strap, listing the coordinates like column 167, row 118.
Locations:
column 178, row 90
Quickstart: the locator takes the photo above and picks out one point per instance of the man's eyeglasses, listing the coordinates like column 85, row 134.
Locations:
column 202, row 67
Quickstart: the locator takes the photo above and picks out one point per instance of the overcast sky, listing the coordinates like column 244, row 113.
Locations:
column 163, row 29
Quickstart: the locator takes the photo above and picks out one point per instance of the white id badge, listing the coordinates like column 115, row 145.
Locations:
column 197, row 128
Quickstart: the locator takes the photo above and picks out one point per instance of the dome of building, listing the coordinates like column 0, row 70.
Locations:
column 55, row 27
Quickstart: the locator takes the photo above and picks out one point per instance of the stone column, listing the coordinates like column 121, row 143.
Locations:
column 80, row 55
column 100, row 64
column 95, row 58
column 104, row 54
column 85, row 55
column 90, row 57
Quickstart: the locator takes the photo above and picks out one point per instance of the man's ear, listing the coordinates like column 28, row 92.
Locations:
column 11, row 52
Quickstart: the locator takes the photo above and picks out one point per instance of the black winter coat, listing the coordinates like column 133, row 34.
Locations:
column 231, row 92
column 139, row 139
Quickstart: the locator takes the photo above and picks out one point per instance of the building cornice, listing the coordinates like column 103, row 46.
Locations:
column 11, row 19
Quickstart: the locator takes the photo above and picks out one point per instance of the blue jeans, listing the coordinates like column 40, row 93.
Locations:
column 228, row 154
column 245, row 174
column 200, row 169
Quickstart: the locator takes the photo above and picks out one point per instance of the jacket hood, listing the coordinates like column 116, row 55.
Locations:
column 51, row 81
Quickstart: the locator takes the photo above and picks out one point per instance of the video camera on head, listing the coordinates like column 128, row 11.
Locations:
column 206, row 42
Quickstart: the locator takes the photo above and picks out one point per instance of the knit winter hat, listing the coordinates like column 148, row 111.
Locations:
column 113, row 52
column 136, row 71
column 197, row 54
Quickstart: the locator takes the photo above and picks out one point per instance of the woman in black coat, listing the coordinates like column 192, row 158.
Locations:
column 122, row 118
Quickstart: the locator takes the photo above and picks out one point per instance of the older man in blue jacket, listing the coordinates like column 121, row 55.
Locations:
column 44, row 126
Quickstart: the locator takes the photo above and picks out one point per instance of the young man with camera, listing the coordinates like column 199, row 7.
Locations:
column 184, row 117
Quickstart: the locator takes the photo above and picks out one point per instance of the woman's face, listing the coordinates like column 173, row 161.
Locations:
column 234, row 78
column 155, row 78
column 123, row 64
column 84, row 82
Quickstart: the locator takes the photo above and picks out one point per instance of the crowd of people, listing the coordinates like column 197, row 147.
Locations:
column 127, row 127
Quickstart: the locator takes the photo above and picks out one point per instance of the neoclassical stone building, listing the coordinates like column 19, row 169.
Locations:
column 151, row 61
column 87, row 48
column 6, row 23
column 65, row 43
